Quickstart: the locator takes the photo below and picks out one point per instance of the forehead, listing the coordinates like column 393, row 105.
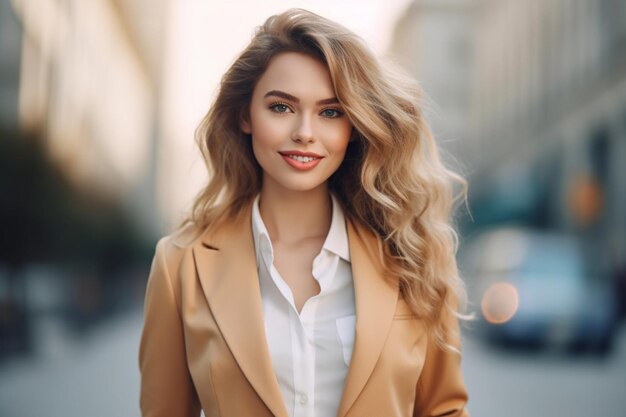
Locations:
column 298, row 74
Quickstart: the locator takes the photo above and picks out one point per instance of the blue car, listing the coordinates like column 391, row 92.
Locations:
column 537, row 289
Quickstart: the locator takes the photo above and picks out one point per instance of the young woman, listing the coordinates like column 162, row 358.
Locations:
column 316, row 275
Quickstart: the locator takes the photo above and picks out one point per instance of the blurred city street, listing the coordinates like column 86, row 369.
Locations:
column 514, row 384
column 98, row 376
column 99, row 105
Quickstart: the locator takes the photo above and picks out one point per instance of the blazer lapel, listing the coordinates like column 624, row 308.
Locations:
column 375, row 300
column 226, row 264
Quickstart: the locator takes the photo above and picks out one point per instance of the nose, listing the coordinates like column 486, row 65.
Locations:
column 303, row 131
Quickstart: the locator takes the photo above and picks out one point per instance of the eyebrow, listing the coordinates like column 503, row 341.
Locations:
column 287, row 96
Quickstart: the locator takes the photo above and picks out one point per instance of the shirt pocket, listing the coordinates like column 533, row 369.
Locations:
column 346, row 330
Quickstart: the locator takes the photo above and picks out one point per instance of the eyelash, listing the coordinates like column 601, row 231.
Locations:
column 273, row 106
column 276, row 104
column 338, row 112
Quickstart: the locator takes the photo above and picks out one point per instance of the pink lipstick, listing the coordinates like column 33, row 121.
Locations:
column 301, row 160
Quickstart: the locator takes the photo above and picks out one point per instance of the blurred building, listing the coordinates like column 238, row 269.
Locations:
column 79, row 139
column 549, row 115
column 537, row 93
column 434, row 41
column 89, row 77
column 10, row 47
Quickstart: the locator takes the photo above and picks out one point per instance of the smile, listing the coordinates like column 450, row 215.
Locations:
column 300, row 160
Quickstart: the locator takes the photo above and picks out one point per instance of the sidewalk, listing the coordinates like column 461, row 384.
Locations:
column 96, row 376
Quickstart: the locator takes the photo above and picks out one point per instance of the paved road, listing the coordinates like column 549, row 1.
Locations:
column 505, row 384
column 97, row 376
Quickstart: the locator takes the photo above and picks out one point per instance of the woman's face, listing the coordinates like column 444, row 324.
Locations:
column 299, row 131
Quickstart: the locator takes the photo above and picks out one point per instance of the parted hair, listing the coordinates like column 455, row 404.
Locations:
column 391, row 180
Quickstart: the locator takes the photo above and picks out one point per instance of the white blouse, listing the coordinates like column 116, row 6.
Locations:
column 310, row 351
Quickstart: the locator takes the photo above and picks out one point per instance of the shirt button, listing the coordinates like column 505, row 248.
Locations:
column 303, row 399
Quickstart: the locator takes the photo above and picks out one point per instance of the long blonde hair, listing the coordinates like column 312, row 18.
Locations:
column 391, row 180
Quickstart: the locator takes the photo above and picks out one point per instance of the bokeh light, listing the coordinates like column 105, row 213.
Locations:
column 500, row 302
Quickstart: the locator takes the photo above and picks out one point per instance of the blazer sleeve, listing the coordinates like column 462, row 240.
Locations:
column 440, row 390
column 166, row 386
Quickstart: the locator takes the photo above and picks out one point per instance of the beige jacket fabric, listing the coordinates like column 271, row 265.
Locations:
column 203, row 344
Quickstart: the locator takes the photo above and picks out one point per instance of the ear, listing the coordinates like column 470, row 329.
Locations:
column 244, row 124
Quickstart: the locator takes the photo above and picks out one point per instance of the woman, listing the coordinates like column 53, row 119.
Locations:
column 316, row 274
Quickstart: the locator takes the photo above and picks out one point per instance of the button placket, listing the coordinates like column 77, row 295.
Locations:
column 305, row 387
column 312, row 330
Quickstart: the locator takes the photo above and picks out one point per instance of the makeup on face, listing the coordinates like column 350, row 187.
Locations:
column 301, row 160
column 299, row 130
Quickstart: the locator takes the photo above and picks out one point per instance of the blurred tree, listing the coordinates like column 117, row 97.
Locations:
column 47, row 219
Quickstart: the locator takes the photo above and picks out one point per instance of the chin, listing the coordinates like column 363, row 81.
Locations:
column 298, row 185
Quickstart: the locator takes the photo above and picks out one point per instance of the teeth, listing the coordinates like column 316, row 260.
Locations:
column 301, row 158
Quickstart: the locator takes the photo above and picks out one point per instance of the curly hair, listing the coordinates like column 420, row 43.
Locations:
column 391, row 180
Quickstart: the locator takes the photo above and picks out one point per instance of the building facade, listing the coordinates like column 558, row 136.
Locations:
column 89, row 78
column 538, row 105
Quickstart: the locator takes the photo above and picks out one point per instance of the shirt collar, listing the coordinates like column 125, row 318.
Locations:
column 336, row 240
column 262, row 242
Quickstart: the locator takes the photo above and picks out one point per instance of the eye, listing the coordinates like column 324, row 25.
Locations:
column 331, row 113
column 280, row 108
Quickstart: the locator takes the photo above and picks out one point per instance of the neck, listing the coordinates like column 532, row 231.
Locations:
column 291, row 216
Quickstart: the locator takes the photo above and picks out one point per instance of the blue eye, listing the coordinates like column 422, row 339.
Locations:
column 280, row 108
column 331, row 113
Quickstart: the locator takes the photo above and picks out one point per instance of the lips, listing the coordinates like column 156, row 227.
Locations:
column 301, row 160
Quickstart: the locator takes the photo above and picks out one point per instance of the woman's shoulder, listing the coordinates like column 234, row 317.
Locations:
column 185, row 236
column 173, row 246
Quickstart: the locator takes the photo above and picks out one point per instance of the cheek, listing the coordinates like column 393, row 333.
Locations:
column 267, row 132
column 340, row 138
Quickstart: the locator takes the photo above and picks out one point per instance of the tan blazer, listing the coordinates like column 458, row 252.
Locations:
column 203, row 343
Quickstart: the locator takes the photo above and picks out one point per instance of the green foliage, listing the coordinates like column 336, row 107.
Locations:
column 44, row 218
